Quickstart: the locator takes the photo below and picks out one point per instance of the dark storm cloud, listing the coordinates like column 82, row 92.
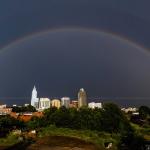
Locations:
column 129, row 19
column 61, row 63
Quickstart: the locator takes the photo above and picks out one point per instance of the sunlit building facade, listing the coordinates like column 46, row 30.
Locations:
column 82, row 98
column 34, row 98
column 94, row 105
column 56, row 103
column 4, row 110
column 44, row 103
column 65, row 101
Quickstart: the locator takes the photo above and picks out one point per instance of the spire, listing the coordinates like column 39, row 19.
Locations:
column 34, row 88
column 34, row 91
column 82, row 89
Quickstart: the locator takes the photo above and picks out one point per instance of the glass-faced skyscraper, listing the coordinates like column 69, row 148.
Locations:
column 82, row 98
column 34, row 98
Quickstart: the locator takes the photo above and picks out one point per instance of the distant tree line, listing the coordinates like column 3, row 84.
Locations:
column 109, row 119
column 28, row 108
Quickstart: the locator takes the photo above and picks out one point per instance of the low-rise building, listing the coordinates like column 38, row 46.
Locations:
column 44, row 103
column 4, row 110
column 65, row 101
column 56, row 103
column 3, row 106
column 74, row 104
column 26, row 105
column 26, row 116
column 94, row 105
column 129, row 109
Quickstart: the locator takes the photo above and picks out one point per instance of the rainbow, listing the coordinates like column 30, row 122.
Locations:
column 55, row 30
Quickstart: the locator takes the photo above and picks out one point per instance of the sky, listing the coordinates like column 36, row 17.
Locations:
column 62, row 46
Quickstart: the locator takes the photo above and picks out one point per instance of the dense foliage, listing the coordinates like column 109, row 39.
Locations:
column 8, row 123
column 144, row 112
column 109, row 119
column 28, row 108
column 131, row 141
column 143, row 119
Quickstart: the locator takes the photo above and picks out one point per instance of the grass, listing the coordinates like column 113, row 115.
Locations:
column 95, row 137
column 9, row 140
column 144, row 131
column 140, row 129
column 98, row 138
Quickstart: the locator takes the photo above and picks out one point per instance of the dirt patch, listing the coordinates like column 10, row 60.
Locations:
column 61, row 143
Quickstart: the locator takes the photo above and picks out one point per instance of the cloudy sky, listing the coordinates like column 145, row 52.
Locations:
column 63, row 45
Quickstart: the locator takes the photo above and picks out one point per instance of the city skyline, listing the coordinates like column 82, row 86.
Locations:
column 34, row 96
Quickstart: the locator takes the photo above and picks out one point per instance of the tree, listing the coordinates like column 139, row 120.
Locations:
column 74, row 115
column 8, row 123
column 131, row 141
column 113, row 120
column 144, row 112
column 36, row 122
column 86, row 118
column 61, row 117
column 28, row 108
column 48, row 115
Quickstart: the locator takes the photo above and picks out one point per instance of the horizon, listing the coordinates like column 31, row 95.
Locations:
column 120, row 101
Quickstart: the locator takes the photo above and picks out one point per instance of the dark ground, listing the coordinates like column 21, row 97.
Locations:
column 53, row 143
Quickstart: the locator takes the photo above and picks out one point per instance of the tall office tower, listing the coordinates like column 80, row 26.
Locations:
column 65, row 101
column 44, row 103
column 82, row 98
column 34, row 99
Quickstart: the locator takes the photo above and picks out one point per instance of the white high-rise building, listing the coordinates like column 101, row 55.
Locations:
column 44, row 103
column 65, row 101
column 94, row 105
column 34, row 98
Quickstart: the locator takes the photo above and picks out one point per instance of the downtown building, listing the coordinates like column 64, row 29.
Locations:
column 65, row 101
column 39, row 103
column 74, row 104
column 82, row 98
column 34, row 98
column 94, row 105
column 44, row 103
column 56, row 103
column 4, row 110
